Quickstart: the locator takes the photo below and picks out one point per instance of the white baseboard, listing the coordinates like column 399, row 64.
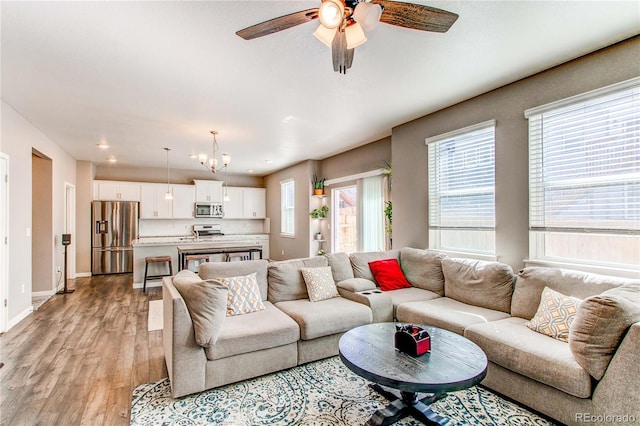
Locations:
column 43, row 293
column 82, row 274
column 149, row 284
column 22, row 315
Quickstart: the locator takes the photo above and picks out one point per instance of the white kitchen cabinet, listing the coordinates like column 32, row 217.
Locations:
column 184, row 197
column 116, row 191
column 208, row 191
column 153, row 204
column 254, row 203
column 233, row 207
column 245, row 203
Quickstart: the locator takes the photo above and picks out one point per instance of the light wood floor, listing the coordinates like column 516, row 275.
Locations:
column 77, row 359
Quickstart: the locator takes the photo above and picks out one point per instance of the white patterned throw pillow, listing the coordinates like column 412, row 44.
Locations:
column 243, row 296
column 320, row 284
column 555, row 314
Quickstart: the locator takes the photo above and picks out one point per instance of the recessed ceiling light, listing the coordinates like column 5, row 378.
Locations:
column 103, row 145
column 112, row 159
column 268, row 161
column 249, row 170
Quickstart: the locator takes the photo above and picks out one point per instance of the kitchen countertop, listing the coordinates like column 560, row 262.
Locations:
column 190, row 240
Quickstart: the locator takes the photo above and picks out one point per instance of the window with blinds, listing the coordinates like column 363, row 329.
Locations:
column 584, row 178
column 461, row 166
column 287, row 208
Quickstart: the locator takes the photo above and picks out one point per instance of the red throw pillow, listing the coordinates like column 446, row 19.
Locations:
column 388, row 274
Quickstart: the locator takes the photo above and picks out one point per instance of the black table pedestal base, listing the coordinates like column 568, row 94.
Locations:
column 407, row 404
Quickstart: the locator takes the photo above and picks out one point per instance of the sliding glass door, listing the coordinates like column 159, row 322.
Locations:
column 345, row 219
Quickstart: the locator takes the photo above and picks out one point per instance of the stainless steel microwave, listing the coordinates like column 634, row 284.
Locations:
column 208, row 210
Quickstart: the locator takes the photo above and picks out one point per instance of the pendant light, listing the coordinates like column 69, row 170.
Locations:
column 168, row 195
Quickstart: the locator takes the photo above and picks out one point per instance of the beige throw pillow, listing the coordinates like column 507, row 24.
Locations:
column 600, row 323
column 555, row 314
column 244, row 294
column 320, row 284
column 206, row 301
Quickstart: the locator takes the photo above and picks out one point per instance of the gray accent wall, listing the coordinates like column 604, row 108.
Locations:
column 506, row 105
column 286, row 247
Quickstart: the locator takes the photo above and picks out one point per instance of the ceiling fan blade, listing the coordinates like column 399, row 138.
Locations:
column 342, row 57
column 278, row 24
column 416, row 16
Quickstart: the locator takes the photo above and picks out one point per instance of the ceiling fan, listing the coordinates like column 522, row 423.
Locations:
column 342, row 23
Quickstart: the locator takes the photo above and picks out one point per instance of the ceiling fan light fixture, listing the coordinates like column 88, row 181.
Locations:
column 325, row 34
column 367, row 15
column 331, row 13
column 355, row 35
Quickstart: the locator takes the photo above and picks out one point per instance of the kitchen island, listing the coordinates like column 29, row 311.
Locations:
column 216, row 246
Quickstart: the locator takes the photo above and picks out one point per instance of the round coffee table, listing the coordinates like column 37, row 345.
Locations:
column 454, row 363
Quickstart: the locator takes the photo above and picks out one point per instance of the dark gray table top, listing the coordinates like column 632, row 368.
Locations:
column 454, row 363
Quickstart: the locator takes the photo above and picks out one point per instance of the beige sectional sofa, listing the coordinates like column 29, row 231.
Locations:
column 595, row 375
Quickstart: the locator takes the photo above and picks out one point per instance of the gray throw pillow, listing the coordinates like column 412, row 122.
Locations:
column 423, row 268
column 600, row 323
column 206, row 301
column 479, row 283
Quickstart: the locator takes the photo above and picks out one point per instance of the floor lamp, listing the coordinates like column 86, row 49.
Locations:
column 66, row 240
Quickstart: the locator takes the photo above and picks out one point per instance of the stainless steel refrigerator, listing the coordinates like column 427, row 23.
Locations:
column 115, row 227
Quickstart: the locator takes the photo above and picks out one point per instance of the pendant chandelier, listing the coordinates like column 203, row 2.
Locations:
column 212, row 163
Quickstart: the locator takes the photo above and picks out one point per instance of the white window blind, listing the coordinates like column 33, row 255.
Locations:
column 287, row 208
column 372, row 230
column 584, row 178
column 462, row 190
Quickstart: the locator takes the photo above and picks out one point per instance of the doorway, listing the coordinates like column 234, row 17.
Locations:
column 4, row 241
column 42, row 248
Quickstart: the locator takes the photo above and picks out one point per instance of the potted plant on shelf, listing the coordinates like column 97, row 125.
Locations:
column 318, row 185
column 320, row 213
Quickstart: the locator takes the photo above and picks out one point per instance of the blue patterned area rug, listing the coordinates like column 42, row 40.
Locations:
column 319, row 393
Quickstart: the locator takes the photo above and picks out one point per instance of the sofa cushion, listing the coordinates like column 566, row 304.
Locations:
column 532, row 280
column 340, row 266
column 360, row 261
column 356, row 284
column 265, row 329
column 320, row 284
column 479, row 283
column 446, row 313
column 411, row 294
column 325, row 318
column 213, row 270
column 600, row 324
column 243, row 296
column 285, row 278
column 206, row 301
column 544, row 359
column 388, row 274
column 555, row 314
column 423, row 268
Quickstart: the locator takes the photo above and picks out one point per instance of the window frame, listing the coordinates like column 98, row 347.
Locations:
column 285, row 230
column 539, row 227
column 435, row 228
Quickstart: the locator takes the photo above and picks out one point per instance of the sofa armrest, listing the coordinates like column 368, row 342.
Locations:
column 380, row 303
column 618, row 392
column 356, row 284
column 186, row 360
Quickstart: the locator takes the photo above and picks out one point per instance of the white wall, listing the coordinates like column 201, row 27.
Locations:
column 18, row 138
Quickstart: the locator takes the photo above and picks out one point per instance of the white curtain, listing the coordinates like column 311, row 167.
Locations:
column 372, row 213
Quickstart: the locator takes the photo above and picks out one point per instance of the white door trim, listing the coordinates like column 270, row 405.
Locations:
column 4, row 241
column 70, row 227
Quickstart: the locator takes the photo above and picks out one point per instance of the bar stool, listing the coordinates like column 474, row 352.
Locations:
column 155, row 259
column 199, row 258
column 239, row 256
